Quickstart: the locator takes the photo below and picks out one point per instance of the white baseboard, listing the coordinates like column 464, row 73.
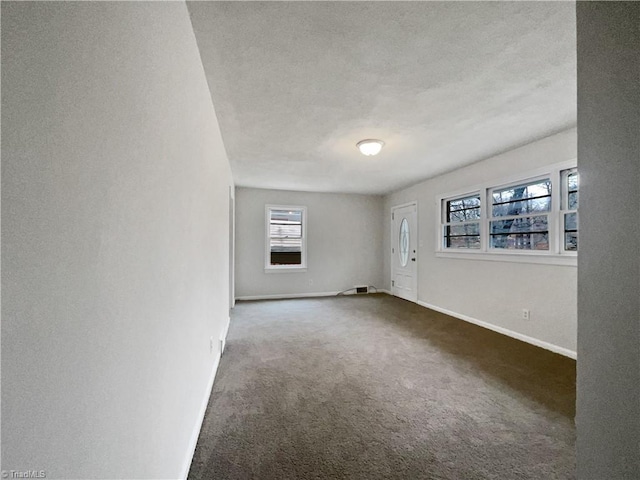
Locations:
column 505, row 331
column 223, row 335
column 193, row 441
column 287, row 295
column 299, row 295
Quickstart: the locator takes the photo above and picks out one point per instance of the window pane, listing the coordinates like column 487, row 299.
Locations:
column 286, row 251
column 539, row 188
column 571, row 241
column 571, row 231
column 525, row 198
column 461, row 203
column 463, row 209
column 521, row 241
column 571, row 221
column 464, row 215
column 284, row 230
column 286, row 216
column 520, row 225
column 465, row 229
column 571, row 187
column 520, row 207
column 463, row 242
column 466, row 235
column 403, row 243
column 526, row 233
column 286, row 244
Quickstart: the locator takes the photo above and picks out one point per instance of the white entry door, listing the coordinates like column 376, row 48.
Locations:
column 404, row 251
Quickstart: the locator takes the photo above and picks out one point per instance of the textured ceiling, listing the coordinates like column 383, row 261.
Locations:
column 444, row 84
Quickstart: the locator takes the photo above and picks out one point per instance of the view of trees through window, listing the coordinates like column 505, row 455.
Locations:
column 570, row 201
column 516, row 227
column 463, row 223
column 519, row 216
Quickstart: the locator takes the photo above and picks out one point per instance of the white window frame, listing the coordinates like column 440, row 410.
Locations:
column 556, row 255
column 564, row 208
column 268, row 268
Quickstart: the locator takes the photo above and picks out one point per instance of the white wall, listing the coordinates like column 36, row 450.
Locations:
column 467, row 287
column 115, row 238
column 344, row 243
column 608, row 396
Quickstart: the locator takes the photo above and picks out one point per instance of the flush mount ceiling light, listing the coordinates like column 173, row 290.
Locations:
column 370, row 146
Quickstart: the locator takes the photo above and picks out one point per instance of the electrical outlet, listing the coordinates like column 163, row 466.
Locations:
column 525, row 314
column 210, row 344
column 310, row 281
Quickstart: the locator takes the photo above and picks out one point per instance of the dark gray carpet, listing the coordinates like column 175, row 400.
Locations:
column 374, row 387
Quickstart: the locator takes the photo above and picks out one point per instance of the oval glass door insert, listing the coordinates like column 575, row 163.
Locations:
column 403, row 249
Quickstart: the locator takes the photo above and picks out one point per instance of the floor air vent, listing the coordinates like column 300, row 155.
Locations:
column 359, row 290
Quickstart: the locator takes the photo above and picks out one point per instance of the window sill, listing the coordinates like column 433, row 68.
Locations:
column 285, row 270
column 567, row 259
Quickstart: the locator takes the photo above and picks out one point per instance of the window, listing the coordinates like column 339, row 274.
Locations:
column 520, row 219
column 285, row 246
column 462, row 222
column 519, row 216
column 570, row 182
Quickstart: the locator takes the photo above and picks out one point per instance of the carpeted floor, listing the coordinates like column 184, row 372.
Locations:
column 374, row 387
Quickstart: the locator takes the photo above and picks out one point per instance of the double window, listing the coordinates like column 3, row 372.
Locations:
column 285, row 245
column 538, row 215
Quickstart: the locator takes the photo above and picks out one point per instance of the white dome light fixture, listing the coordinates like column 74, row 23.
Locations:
column 370, row 146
